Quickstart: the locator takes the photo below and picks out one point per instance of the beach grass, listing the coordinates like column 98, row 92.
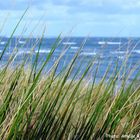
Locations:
column 34, row 105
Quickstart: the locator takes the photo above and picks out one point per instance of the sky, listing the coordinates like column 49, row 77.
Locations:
column 108, row 18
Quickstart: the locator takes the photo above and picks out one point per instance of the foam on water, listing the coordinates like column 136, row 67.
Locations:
column 108, row 43
column 69, row 43
column 136, row 51
column 114, row 43
column 36, row 51
column 88, row 53
column 21, row 42
column 118, row 52
column 24, row 52
column 43, row 51
column 101, row 42
column 2, row 43
column 121, row 57
column 74, row 47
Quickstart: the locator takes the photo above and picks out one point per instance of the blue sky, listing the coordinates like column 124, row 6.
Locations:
column 75, row 17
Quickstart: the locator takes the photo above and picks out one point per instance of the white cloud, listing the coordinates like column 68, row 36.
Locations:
column 88, row 15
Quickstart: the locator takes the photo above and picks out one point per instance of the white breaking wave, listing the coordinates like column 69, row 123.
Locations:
column 69, row 43
column 101, row 43
column 24, row 52
column 114, row 43
column 21, row 42
column 30, row 52
column 88, row 53
column 136, row 51
column 119, row 52
column 42, row 51
column 121, row 57
column 74, row 47
column 109, row 43
column 2, row 42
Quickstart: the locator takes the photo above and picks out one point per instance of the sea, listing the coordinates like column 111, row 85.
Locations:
column 108, row 54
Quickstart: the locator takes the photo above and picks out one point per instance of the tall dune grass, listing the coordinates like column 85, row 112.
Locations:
column 57, row 106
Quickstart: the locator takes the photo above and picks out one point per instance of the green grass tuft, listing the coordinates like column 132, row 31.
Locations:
column 54, row 106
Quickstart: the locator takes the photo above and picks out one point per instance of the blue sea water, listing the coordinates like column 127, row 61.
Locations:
column 104, row 51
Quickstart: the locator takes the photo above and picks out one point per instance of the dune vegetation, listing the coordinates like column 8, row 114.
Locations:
column 56, row 106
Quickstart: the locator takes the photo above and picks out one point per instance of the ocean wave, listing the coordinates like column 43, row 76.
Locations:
column 69, row 43
column 121, row 57
column 88, row 53
column 101, row 43
column 24, row 52
column 114, row 43
column 30, row 52
column 136, row 51
column 74, row 47
column 42, row 51
column 2, row 43
column 118, row 52
column 21, row 42
column 109, row 43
